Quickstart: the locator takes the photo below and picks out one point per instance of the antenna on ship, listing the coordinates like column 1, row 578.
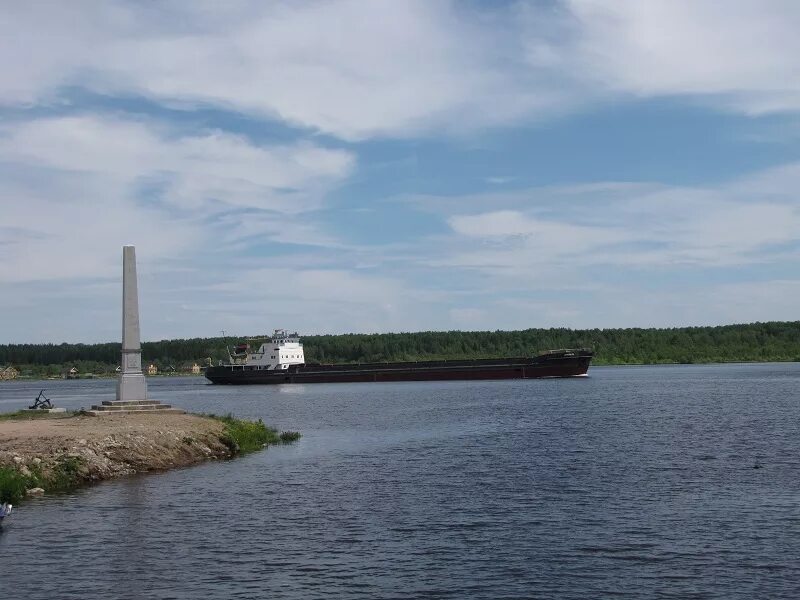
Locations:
column 227, row 349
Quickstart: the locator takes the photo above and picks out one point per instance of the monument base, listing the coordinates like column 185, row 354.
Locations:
column 116, row 407
column 131, row 387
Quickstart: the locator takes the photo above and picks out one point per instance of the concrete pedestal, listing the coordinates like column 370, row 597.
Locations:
column 116, row 407
column 131, row 387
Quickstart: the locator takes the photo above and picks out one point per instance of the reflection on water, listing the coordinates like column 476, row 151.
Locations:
column 634, row 482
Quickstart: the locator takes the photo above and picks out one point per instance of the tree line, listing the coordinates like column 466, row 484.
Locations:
column 772, row 341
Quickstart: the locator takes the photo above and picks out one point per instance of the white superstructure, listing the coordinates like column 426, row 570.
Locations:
column 283, row 350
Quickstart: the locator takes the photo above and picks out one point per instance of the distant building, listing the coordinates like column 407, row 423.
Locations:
column 7, row 373
column 71, row 374
column 152, row 370
column 195, row 369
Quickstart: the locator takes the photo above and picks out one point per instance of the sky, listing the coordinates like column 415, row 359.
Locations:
column 351, row 166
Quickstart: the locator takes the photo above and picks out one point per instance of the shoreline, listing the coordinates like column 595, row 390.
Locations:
column 56, row 452
column 595, row 363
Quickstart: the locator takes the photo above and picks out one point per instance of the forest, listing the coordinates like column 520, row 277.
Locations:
column 754, row 342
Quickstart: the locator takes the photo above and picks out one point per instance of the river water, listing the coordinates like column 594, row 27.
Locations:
column 635, row 482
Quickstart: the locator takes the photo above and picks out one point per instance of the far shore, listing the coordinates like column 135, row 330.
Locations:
column 595, row 364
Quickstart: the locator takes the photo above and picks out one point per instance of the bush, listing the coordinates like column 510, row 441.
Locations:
column 289, row 436
column 65, row 475
column 242, row 436
column 12, row 485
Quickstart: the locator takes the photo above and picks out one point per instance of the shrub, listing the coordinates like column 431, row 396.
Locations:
column 242, row 436
column 289, row 436
column 12, row 485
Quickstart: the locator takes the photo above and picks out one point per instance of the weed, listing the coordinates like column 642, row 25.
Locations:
column 289, row 436
column 242, row 436
column 12, row 485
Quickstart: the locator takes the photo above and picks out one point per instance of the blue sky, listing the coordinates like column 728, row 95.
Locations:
column 398, row 166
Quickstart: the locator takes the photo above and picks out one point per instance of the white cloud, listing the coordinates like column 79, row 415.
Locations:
column 212, row 166
column 560, row 233
column 545, row 234
column 358, row 70
column 349, row 68
column 740, row 54
column 334, row 300
column 703, row 303
column 499, row 180
column 79, row 187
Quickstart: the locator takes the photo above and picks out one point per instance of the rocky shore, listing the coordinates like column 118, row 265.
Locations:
column 61, row 452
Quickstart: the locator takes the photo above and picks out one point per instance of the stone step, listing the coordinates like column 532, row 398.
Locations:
column 129, row 402
column 169, row 411
column 132, row 407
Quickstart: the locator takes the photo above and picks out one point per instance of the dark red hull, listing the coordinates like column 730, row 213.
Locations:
column 561, row 363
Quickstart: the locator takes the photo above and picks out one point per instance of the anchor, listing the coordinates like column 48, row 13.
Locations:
column 41, row 401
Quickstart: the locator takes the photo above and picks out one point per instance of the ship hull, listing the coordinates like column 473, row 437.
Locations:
column 569, row 363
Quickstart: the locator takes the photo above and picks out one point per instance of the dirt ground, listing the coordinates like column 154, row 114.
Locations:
column 110, row 445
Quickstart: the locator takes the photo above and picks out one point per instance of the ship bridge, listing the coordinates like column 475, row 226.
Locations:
column 281, row 351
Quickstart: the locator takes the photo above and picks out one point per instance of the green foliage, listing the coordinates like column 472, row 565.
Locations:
column 65, row 475
column 756, row 342
column 243, row 436
column 12, row 485
column 777, row 341
column 289, row 436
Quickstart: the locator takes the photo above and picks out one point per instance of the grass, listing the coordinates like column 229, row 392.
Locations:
column 12, row 485
column 65, row 475
column 289, row 436
column 242, row 436
column 24, row 415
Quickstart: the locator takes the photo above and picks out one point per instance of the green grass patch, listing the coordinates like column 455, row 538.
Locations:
column 242, row 436
column 289, row 436
column 63, row 476
column 24, row 415
column 12, row 485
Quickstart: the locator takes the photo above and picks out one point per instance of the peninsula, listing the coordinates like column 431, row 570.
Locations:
column 43, row 453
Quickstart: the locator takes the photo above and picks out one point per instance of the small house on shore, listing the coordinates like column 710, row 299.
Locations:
column 71, row 374
column 8, row 373
column 152, row 369
column 195, row 369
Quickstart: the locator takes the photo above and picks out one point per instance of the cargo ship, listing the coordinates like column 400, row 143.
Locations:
column 281, row 360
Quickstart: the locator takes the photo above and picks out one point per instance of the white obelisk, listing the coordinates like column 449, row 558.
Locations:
column 131, row 385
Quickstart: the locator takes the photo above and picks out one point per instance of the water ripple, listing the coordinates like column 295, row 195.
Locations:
column 631, row 483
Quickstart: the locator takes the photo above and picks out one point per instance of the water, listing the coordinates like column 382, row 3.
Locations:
column 636, row 482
